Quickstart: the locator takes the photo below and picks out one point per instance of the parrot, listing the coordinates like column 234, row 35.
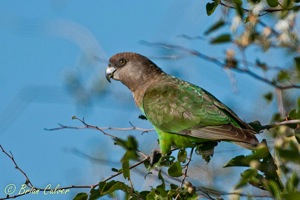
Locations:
column 184, row 115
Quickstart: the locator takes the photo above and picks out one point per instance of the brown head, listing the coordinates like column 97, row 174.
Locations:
column 132, row 69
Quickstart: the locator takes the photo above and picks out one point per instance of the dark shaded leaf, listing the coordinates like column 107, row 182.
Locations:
column 256, row 125
column 272, row 3
column 182, row 155
column 262, row 156
column 81, row 196
column 291, row 196
column 143, row 117
column 292, row 183
column 291, row 153
column 211, row 7
column 297, row 133
column 155, row 157
column 283, row 76
column 206, row 150
column 293, row 114
column 221, row 39
column 238, row 8
column 276, row 117
column 297, row 63
column 114, row 170
column 214, row 27
column 112, row 186
column 268, row 96
column 166, row 160
column 250, row 176
column 94, row 194
column 129, row 144
column 273, row 187
column 160, row 177
column 175, row 170
column 125, row 166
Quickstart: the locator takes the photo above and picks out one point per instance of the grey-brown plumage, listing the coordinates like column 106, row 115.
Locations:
column 183, row 114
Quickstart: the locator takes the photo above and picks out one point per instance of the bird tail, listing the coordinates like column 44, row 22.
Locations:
column 250, row 146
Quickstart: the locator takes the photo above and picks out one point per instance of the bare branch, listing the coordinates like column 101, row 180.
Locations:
column 29, row 184
column 294, row 121
column 223, row 65
column 101, row 129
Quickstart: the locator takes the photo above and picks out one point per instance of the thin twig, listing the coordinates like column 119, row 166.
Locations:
column 29, row 184
column 10, row 155
column 294, row 121
column 133, row 166
column 88, row 126
column 186, row 168
column 223, row 65
column 264, row 11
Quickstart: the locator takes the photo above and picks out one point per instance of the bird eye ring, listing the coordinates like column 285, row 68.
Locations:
column 122, row 62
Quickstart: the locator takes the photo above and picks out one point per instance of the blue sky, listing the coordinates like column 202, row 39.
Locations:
column 45, row 42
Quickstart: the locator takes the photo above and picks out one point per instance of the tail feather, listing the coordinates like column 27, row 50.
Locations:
column 228, row 132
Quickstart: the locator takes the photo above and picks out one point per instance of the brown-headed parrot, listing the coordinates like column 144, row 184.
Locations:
column 183, row 114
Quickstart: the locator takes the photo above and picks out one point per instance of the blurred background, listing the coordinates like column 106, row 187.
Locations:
column 53, row 59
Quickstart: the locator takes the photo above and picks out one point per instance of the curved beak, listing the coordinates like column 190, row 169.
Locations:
column 109, row 73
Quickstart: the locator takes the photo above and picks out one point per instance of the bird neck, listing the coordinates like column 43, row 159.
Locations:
column 139, row 90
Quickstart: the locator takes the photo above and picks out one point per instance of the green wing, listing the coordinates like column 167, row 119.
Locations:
column 178, row 107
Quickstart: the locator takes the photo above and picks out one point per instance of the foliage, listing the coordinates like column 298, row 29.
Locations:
column 274, row 169
column 276, row 172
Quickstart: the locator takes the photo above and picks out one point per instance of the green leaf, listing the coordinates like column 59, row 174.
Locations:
column 238, row 8
column 221, row 39
column 272, row 3
column 297, row 63
column 175, row 170
column 206, row 150
column 292, row 183
column 74, row 117
column 262, row 156
column 256, row 125
column 114, row 169
column 283, row 76
column 166, row 160
column 112, row 186
column 129, row 144
column 182, row 155
column 81, row 196
column 274, row 188
column 214, row 27
column 94, row 194
column 298, row 105
column 268, row 97
column 160, row 177
column 293, row 114
column 297, row 134
column 291, row 153
column 250, row 176
column 291, row 196
column 125, row 164
column 211, row 7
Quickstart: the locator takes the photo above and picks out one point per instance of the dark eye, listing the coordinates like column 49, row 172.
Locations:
column 122, row 62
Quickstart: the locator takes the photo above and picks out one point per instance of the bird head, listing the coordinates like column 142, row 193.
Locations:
column 131, row 69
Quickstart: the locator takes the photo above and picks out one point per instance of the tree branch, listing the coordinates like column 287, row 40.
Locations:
column 223, row 65
column 29, row 184
column 294, row 121
column 264, row 11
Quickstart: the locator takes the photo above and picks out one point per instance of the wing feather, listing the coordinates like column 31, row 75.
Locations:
column 176, row 106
